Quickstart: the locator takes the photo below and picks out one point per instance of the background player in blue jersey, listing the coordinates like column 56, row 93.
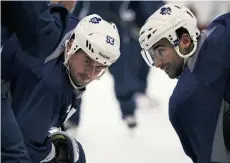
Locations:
column 199, row 105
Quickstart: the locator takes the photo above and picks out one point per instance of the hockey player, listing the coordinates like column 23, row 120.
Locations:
column 199, row 105
column 130, row 76
column 48, row 74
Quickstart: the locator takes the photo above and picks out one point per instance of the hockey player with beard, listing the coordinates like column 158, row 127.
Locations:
column 199, row 104
column 49, row 62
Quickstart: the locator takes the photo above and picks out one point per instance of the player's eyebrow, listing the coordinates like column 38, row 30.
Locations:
column 93, row 61
column 157, row 46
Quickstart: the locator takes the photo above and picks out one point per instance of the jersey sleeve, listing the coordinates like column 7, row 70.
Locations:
column 35, row 119
column 8, row 57
column 37, row 25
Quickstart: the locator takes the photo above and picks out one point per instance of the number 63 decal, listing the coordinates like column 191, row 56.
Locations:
column 110, row 40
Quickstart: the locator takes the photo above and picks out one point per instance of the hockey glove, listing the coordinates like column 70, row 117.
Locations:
column 68, row 150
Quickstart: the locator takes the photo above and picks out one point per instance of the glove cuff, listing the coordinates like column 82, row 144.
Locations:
column 51, row 155
column 71, row 142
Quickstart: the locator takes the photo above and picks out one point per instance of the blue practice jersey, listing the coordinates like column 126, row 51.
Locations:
column 202, row 94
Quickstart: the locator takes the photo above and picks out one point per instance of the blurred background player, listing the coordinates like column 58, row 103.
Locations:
column 129, row 72
column 200, row 103
column 82, row 55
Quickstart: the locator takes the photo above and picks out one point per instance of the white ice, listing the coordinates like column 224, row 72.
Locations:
column 105, row 137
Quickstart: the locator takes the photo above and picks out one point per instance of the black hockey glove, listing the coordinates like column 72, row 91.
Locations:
column 68, row 150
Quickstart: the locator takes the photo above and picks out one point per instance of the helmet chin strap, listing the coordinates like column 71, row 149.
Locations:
column 82, row 86
column 66, row 64
column 70, row 78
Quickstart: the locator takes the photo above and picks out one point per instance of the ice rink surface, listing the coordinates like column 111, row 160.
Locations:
column 106, row 139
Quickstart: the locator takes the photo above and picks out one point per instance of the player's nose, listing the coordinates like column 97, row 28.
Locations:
column 91, row 73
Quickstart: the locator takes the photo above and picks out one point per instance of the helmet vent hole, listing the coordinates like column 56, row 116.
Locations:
column 150, row 29
column 154, row 31
column 87, row 43
column 96, row 58
column 142, row 32
column 149, row 36
column 189, row 14
column 92, row 50
column 177, row 7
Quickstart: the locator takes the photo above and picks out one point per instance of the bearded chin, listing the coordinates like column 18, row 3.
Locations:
column 178, row 72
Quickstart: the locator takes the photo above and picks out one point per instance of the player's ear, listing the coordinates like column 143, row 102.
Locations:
column 185, row 41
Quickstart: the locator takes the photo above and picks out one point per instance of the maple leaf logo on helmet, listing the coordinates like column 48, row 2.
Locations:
column 95, row 20
column 166, row 10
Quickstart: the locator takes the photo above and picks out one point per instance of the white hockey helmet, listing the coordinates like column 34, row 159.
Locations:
column 163, row 24
column 98, row 38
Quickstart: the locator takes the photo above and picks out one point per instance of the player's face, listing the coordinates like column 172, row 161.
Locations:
column 83, row 69
column 166, row 58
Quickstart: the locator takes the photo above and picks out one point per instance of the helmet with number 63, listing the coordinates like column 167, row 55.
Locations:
column 98, row 38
